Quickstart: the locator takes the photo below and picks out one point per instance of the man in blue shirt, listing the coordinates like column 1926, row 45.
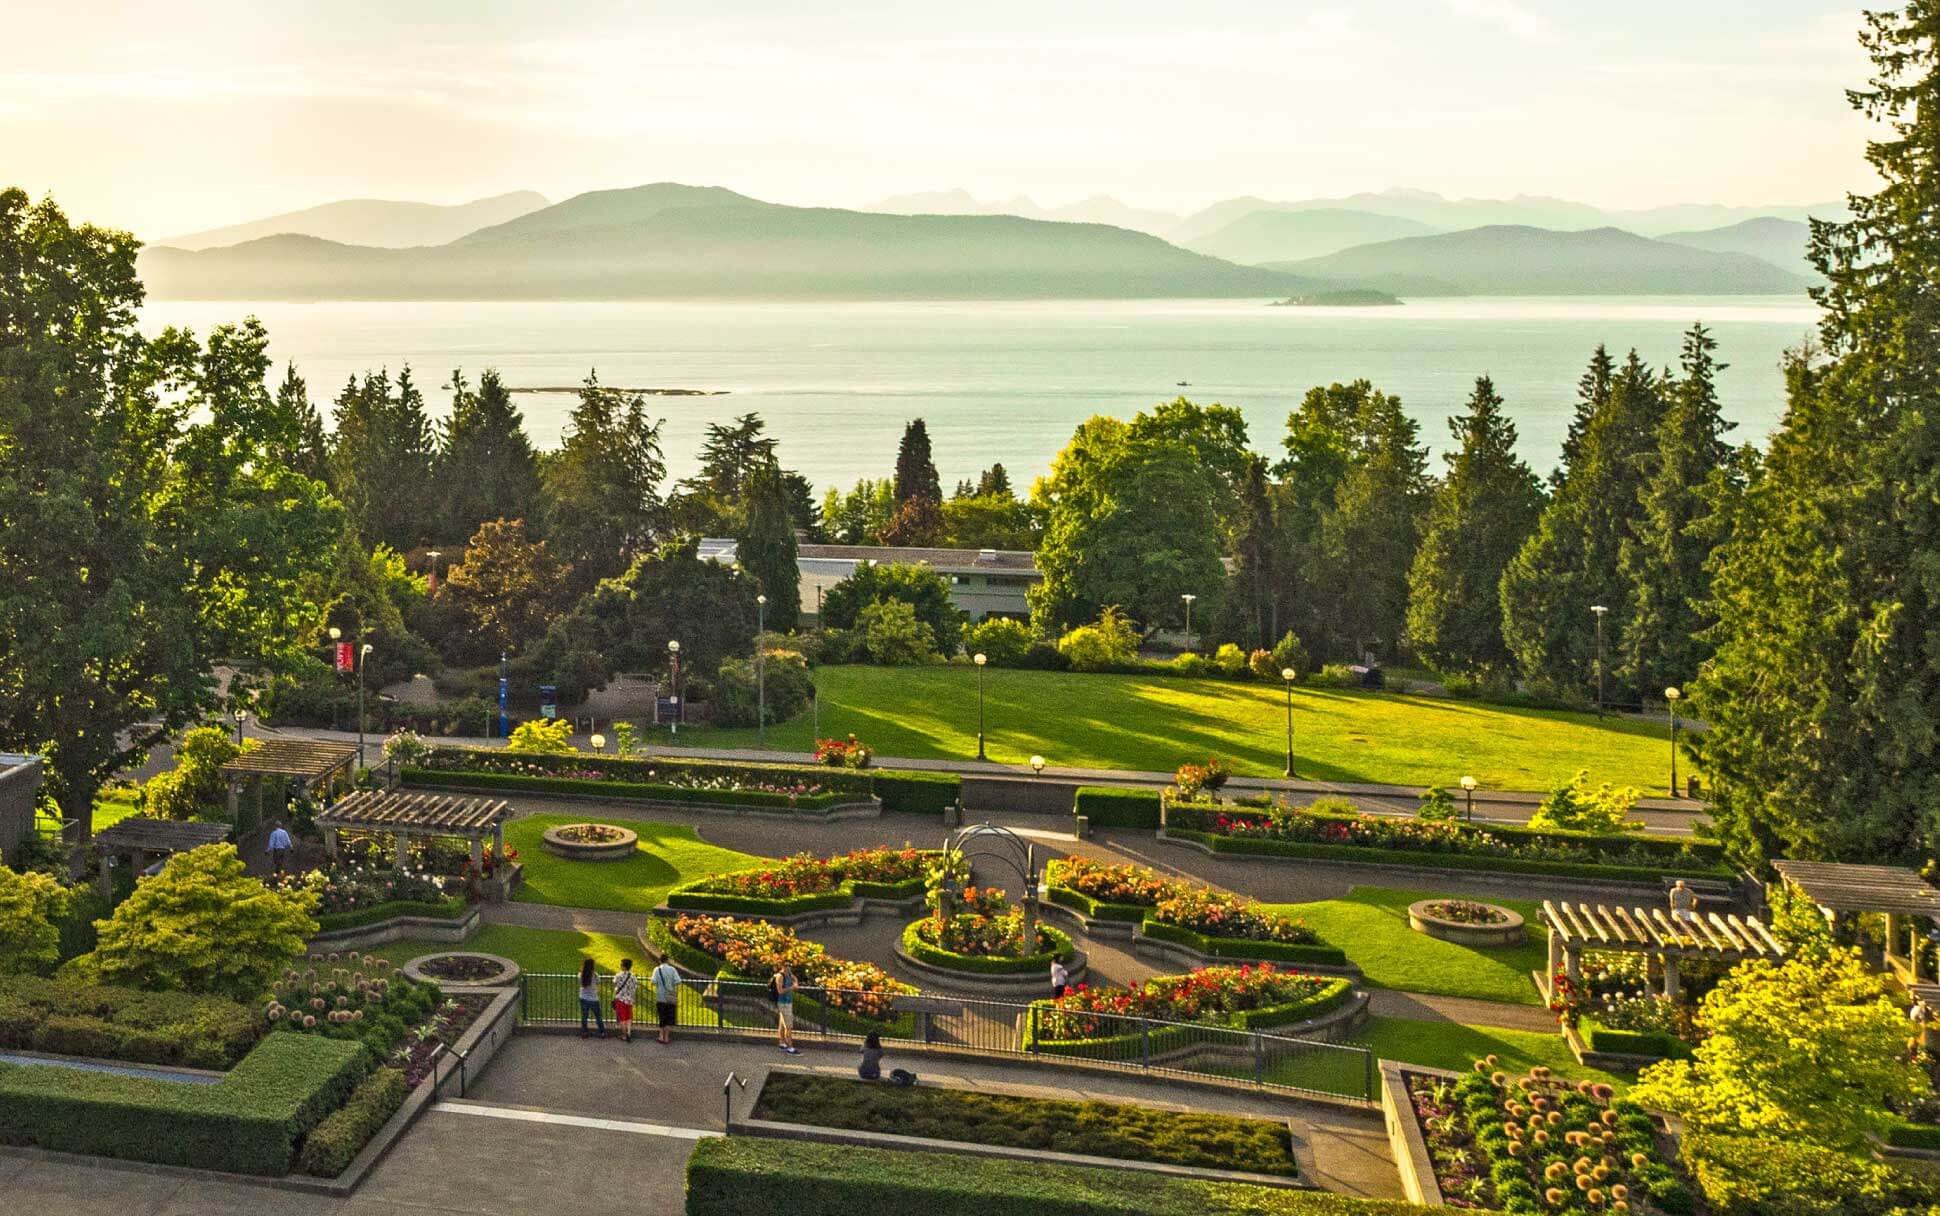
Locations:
column 279, row 848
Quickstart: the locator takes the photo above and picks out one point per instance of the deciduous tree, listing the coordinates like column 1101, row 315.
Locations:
column 509, row 586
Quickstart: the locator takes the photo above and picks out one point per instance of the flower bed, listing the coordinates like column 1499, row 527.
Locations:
column 977, row 944
column 355, row 893
column 1186, row 914
column 805, row 883
column 1540, row 1144
column 753, row 949
column 1095, row 1022
column 1466, row 922
column 1300, row 832
column 659, row 778
column 463, row 967
column 1639, row 1024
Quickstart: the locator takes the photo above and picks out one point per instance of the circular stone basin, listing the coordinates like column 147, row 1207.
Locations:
column 1502, row 926
column 463, row 969
column 602, row 842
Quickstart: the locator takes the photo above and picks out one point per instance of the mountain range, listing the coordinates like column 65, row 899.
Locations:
column 673, row 241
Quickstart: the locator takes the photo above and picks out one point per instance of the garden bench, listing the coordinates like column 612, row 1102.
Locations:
column 1710, row 892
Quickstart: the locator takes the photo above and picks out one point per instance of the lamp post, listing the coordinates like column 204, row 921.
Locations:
column 1037, row 766
column 1671, row 695
column 673, row 677
column 336, row 635
column 1599, row 610
column 1468, row 787
column 242, row 714
column 598, row 742
column 1188, row 597
column 1289, row 674
column 980, row 659
column 760, row 673
column 434, row 555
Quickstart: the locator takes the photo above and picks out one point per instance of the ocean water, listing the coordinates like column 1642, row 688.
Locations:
column 1008, row 381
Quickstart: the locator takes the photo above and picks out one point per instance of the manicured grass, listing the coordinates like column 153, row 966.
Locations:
column 1371, row 924
column 1158, row 723
column 539, row 951
column 1097, row 1129
column 1455, row 1046
column 667, row 857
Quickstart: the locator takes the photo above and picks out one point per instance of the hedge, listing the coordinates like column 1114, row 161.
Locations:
column 70, row 1017
column 1120, row 1046
column 452, row 908
column 1314, row 954
column 640, row 769
column 916, row 793
column 623, row 789
column 336, row 1141
column 1077, row 900
column 1441, row 861
column 736, row 1175
column 1904, row 1134
column 974, row 964
column 247, row 1123
column 687, row 899
column 1598, row 1037
column 1107, row 806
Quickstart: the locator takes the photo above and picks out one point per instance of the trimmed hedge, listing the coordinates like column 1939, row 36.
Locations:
column 1598, row 1037
column 1078, row 901
column 639, row 770
column 736, row 1175
column 452, row 908
column 1107, row 806
column 1314, row 954
column 1440, row 861
column 70, row 1017
column 624, row 789
column 686, row 899
column 335, row 1143
column 1905, row 1134
column 1120, row 1046
column 247, row 1123
column 973, row 964
column 917, row 793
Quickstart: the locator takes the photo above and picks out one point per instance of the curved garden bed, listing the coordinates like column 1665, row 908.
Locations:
column 1467, row 922
column 463, row 969
column 590, row 842
column 1195, row 921
column 804, row 884
column 1184, row 1013
column 1009, row 972
column 855, row 997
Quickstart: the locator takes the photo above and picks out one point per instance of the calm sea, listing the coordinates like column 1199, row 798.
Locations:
column 1009, row 380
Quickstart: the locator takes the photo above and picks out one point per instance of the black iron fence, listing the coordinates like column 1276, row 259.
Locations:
column 981, row 1026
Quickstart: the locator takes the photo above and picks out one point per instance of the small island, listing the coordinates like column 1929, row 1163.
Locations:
column 1344, row 297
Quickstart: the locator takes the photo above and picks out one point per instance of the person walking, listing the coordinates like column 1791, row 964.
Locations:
column 783, row 986
column 589, row 998
column 666, row 998
column 279, row 848
column 1060, row 979
column 626, row 986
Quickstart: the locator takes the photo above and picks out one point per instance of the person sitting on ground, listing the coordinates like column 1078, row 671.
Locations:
column 871, row 1067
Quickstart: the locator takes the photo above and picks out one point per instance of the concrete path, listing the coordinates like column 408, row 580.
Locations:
column 1391, row 1003
column 549, row 916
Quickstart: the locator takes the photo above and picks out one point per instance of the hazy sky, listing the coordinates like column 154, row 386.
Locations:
column 167, row 118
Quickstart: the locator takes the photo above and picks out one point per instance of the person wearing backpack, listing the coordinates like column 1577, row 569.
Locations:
column 626, row 985
column 782, row 988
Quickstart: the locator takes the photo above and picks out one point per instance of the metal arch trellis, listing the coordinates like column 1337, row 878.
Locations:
column 988, row 840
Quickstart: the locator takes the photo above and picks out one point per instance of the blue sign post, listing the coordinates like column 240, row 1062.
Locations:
column 504, row 688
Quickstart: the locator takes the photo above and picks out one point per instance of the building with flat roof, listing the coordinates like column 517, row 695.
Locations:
column 19, row 784
column 983, row 582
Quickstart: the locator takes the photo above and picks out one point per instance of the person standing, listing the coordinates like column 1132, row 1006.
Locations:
column 1060, row 979
column 666, row 998
column 279, row 848
column 626, row 986
column 589, row 998
column 783, row 987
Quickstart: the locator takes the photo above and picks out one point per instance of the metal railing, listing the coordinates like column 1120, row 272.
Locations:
column 986, row 1027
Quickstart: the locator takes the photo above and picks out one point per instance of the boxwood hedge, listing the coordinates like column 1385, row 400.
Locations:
column 762, row 799
column 1316, row 954
column 1107, row 806
column 973, row 964
column 70, row 1017
column 917, row 793
column 1598, row 1037
column 1439, row 861
column 642, row 770
column 335, row 1143
column 688, row 897
column 1096, row 909
column 452, row 908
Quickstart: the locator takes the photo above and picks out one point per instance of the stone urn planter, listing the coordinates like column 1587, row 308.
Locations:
column 463, row 969
column 1467, row 922
column 590, row 842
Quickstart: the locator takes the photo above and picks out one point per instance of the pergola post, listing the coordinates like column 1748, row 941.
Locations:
column 498, row 842
column 1671, row 977
column 235, row 798
column 478, row 854
column 1555, row 953
column 1572, row 964
column 401, row 849
column 330, row 843
column 104, row 880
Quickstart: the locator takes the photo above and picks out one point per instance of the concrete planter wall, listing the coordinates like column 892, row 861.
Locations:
column 1405, row 1138
column 508, row 971
column 1509, row 932
column 1024, row 985
column 1191, row 958
column 457, row 930
column 619, row 848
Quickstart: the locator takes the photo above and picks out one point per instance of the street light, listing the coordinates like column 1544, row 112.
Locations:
column 1188, row 597
column 673, row 678
column 1468, row 787
column 598, row 742
column 1671, row 695
column 242, row 714
column 1037, row 766
column 434, row 555
column 760, row 673
column 980, row 660
column 1600, row 610
column 336, row 635
column 1289, row 674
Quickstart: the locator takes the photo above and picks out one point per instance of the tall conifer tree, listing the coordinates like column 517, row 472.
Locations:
column 767, row 549
column 915, row 468
column 487, row 469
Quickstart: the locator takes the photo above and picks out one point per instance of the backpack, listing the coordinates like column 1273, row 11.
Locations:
column 901, row 1076
column 774, row 990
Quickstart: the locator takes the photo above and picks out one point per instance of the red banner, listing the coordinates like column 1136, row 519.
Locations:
column 346, row 660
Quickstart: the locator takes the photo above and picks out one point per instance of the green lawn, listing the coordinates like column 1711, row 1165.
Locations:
column 1454, row 1046
column 1158, row 723
column 667, row 856
column 539, row 951
column 1371, row 924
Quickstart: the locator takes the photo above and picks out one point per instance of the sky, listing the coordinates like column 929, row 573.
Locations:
column 170, row 118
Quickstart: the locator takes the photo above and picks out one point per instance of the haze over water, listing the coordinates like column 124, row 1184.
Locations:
column 1008, row 381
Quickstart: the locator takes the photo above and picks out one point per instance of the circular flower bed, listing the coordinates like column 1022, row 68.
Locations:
column 1466, row 922
column 976, row 944
column 590, row 842
column 463, row 968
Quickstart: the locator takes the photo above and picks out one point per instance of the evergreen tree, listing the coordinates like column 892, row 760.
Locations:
column 381, row 459
column 309, row 451
column 1592, row 394
column 602, row 488
column 1824, row 694
column 487, row 469
column 1571, row 562
column 713, row 502
column 1370, row 536
column 1663, row 560
column 1253, row 613
column 915, row 470
column 767, row 550
column 1481, row 515
column 995, row 480
column 1322, row 434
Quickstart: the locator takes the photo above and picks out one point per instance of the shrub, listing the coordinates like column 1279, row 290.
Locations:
column 1260, row 663
column 1001, row 640
column 1574, row 807
column 739, row 690
column 1436, row 804
column 1231, row 661
column 963, row 947
column 895, row 637
column 336, row 1141
column 1112, row 807
column 1770, row 1176
column 1189, row 664
column 843, row 753
column 405, row 747
column 32, row 907
column 1110, row 642
column 1044, row 656
column 917, row 793
column 1289, row 652
column 1334, row 675
column 550, row 738
column 196, row 779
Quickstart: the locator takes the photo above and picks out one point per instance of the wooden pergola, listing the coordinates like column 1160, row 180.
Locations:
column 1843, row 892
column 405, row 815
column 1666, row 936
column 139, row 839
column 309, row 763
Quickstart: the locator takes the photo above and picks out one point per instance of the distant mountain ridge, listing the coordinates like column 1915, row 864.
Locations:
column 1260, row 237
column 674, row 241
column 1099, row 209
column 1781, row 242
column 384, row 223
column 1521, row 260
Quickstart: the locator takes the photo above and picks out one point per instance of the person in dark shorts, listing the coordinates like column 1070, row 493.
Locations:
column 666, row 998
